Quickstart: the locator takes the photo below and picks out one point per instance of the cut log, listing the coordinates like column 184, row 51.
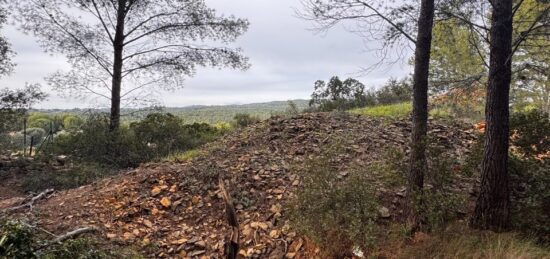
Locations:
column 231, row 246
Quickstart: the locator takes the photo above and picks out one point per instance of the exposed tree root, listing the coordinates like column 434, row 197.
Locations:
column 42, row 195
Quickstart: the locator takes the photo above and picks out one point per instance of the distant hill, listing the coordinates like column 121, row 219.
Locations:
column 200, row 113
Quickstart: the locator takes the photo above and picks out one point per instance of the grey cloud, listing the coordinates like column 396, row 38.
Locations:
column 286, row 59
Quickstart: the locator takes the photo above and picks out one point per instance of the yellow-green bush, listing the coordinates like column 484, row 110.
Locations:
column 391, row 110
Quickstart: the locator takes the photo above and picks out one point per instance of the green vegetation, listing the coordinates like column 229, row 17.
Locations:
column 244, row 119
column 14, row 105
column 529, row 167
column 226, row 113
column 391, row 110
column 72, row 176
column 18, row 239
column 197, row 114
column 183, row 156
column 337, row 95
column 155, row 137
column 337, row 213
column 340, row 211
column 459, row 241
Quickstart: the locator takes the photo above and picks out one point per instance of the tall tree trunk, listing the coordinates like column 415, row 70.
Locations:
column 418, row 164
column 493, row 204
column 118, row 48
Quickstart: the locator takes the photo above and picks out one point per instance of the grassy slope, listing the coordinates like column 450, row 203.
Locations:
column 391, row 110
column 458, row 241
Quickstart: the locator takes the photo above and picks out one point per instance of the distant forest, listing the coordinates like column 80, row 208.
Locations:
column 198, row 113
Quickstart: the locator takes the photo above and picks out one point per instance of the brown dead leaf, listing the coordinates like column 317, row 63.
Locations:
column 156, row 191
column 148, row 223
column 165, row 202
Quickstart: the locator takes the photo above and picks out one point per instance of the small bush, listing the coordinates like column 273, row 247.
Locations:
column 75, row 176
column 443, row 203
column 244, row 119
column 183, row 156
column 16, row 240
column 337, row 213
column 72, row 122
column 95, row 143
column 530, row 132
column 45, row 124
column 338, row 95
column 155, row 137
column 81, row 248
column 292, row 109
column 391, row 111
column 394, row 91
column 162, row 133
column 530, row 181
column 19, row 240
column 529, row 177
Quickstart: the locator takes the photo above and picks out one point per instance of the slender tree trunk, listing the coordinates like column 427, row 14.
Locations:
column 493, row 204
column 418, row 164
column 118, row 48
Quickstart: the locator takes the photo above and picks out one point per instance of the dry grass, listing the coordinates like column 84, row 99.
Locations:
column 458, row 241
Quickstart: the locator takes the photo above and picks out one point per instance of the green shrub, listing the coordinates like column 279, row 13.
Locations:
column 155, row 137
column 394, row 91
column 292, row 109
column 183, row 156
column 162, row 133
column 530, row 132
column 399, row 110
column 19, row 240
column 14, row 105
column 81, row 248
column 36, row 134
column 94, row 142
column 338, row 95
column 45, row 124
column 244, row 119
column 72, row 122
column 338, row 213
column 444, row 203
column 529, row 177
column 530, row 181
column 16, row 240
column 74, row 176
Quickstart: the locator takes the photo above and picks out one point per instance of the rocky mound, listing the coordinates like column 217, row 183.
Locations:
column 176, row 209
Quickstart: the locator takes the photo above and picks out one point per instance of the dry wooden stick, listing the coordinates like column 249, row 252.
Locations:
column 68, row 235
column 231, row 247
column 29, row 204
column 74, row 233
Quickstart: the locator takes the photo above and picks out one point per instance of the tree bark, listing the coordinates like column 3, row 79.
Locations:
column 493, row 204
column 418, row 164
column 118, row 48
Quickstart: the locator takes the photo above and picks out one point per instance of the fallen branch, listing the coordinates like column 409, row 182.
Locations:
column 231, row 247
column 29, row 204
column 69, row 235
column 74, row 233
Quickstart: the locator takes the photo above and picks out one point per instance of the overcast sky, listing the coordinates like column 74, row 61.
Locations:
column 286, row 59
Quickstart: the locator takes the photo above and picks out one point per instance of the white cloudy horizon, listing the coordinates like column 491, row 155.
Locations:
column 286, row 60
